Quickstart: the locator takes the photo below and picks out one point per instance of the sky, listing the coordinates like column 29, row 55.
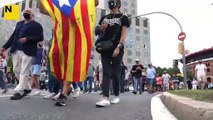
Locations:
column 196, row 18
column 6, row 2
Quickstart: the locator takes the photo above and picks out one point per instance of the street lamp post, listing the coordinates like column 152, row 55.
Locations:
column 183, row 46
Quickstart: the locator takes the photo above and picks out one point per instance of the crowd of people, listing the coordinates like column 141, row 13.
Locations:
column 64, row 69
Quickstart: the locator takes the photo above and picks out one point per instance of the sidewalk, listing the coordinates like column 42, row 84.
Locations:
column 159, row 111
column 187, row 109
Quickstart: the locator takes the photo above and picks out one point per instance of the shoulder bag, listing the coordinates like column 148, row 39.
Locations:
column 106, row 45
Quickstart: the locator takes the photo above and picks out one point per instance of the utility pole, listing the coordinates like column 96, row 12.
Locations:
column 181, row 37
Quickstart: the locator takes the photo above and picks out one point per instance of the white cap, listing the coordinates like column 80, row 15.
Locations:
column 136, row 59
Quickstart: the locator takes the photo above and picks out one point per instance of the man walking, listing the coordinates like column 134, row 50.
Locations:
column 23, row 43
column 150, row 77
column 137, row 74
column 89, row 78
column 200, row 72
column 166, row 79
column 72, row 37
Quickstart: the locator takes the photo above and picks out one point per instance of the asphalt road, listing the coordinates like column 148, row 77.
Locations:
column 131, row 107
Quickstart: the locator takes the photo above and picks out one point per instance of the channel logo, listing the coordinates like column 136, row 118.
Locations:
column 11, row 12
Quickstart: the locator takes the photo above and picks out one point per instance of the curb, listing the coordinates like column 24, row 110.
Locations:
column 159, row 111
column 187, row 109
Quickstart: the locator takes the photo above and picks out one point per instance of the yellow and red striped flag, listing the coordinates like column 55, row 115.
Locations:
column 74, row 22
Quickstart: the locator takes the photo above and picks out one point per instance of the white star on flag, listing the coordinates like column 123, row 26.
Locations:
column 64, row 2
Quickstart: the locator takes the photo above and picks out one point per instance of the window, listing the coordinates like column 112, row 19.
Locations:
column 145, row 23
column 209, row 79
column 129, row 60
column 2, row 15
column 133, row 5
column 138, row 46
column 208, row 70
column 125, row 3
column 129, row 52
column 138, row 53
column 207, row 64
column 103, row 12
column 137, row 31
column 145, row 32
column 23, row 6
column 137, row 38
column 130, row 19
column 133, row 12
column 37, row 4
column 31, row 4
column 137, row 20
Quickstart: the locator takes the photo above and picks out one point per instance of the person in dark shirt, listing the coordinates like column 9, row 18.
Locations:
column 137, row 74
column 113, row 23
column 122, row 79
column 23, row 44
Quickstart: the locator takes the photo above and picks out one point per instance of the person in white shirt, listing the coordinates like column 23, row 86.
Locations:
column 166, row 78
column 200, row 72
column 194, row 84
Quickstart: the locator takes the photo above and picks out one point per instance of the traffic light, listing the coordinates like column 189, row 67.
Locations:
column 187, row 52
column 175, row 63
column 180, row 48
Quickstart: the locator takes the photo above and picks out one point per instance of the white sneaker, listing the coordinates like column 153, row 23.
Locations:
column 115, row 100
column 37, row 92
column 104, row 102
column 49, row 96
column 56, row 96
column 76, row 93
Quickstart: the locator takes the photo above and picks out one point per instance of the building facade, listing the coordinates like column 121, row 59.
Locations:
column 137, row 45
column 206, row 56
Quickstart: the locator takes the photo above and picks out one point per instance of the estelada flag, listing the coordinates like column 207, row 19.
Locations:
column 74, row 22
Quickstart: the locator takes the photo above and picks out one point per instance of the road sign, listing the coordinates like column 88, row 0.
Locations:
column 182, row 36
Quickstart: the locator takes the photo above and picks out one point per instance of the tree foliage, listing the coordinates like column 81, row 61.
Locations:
column 171, row 71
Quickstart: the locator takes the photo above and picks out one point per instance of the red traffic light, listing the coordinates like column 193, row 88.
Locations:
column 182, row 36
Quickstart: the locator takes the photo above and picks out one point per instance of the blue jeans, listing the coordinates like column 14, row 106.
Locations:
column 90, row 80
column 2, row 82
column 77, row 84
column 54, row 85
column 137, row 83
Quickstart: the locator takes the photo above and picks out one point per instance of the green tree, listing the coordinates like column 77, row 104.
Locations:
column 173, row 71
column 190, row 75
column 159, row 70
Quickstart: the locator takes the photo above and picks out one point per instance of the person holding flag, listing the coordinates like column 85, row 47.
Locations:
column 74, row 22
